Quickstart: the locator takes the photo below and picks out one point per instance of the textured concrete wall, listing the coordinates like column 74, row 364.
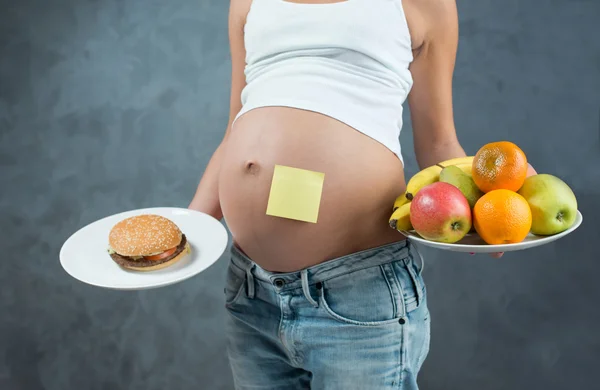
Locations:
column 112, row 105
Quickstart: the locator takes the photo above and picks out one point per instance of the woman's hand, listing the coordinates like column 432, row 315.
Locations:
column 530, row 172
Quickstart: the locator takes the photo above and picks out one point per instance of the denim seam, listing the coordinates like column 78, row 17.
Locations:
column 282, row 329
column 298, row 290
column 403, row 353
column 360, row 255
column 296, row 353
column 426, row 340
column 350, row 261
column 403, row 301
column 238, row 293
column 400, row 369
column 345, row 320
column 384, row 271
column 350, row 268
column 242, row 270
column 415, row 279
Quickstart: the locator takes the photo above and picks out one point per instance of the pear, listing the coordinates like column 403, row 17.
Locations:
column 553, row 204
column 463, row 181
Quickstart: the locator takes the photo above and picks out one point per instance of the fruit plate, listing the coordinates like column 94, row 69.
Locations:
column 472, row 243
column 84, row 254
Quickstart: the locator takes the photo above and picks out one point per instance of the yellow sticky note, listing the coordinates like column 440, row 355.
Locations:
column 295, row 194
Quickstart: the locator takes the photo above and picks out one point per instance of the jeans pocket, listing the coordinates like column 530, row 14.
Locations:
column 362, row 297
column 234, row 283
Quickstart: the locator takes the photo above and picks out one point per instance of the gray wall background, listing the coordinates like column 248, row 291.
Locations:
column 112, row 105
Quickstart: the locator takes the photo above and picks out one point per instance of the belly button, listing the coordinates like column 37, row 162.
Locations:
column 251, row 167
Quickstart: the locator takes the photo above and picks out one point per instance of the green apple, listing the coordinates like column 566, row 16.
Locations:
column 464, row 182
column 553, row 204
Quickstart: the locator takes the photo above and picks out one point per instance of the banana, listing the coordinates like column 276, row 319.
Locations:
column 431, row 174
column 422, row 179
column 465, row 167
column 400, row 219
column 400, row 201
column 457, row 161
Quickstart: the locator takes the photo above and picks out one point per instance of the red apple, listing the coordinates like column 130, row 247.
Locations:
column 440, row 212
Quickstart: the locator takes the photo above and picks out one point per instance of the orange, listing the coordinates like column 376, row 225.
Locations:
column 499, row 165
column 502, row 217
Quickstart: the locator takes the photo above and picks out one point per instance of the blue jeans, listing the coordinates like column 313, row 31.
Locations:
column 356, row 322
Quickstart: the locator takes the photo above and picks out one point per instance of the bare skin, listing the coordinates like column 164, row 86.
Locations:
column 362, row 176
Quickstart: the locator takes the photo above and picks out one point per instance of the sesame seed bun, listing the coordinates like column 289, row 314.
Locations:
column 144, row 235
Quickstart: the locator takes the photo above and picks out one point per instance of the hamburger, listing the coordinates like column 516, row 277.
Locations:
column 147, row 242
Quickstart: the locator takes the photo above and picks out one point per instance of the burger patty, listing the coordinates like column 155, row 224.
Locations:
column 126, row 261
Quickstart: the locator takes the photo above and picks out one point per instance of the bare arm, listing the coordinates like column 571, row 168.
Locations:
column 206, row 198
column 430, row 100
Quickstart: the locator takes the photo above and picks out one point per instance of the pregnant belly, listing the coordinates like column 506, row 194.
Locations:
column 362, row 178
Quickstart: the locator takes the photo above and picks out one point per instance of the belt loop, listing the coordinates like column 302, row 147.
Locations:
column 250, row 281
column 395, row 288
column 305, row 288
column 415, row 276
column 420, row 257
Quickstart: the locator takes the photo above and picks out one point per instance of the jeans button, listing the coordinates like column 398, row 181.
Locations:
column 279, row 282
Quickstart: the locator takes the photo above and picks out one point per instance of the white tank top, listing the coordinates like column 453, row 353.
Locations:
column 347, row 60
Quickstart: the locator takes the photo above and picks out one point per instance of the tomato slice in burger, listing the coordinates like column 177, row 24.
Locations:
column 161, row 256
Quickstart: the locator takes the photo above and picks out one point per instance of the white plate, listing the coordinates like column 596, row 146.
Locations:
column 84, row 255
column 472, row 243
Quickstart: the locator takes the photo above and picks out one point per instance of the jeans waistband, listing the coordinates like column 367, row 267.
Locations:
column 326, row 270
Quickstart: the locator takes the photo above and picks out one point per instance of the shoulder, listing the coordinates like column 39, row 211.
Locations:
column 431, row 20
column 238, row 10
